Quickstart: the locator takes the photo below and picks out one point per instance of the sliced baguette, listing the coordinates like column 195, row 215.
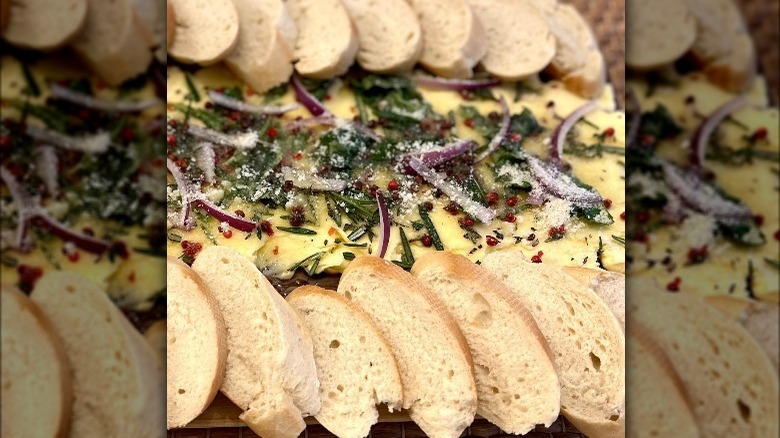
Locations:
column 170, row 24
column 517, row 383
column 43, row 24
column 157, row 336
column 37, row 387
column 578, row 61
column 206, row 30
column 270, row 363
column 389, row 34
column 355, row 364
column 433, row 357
column 453, row 38
column 729, row 379
column 327, row 41
column 657, row 402
column 111, row 43
column 761, row 319
column 583, row 334
column 610, row 286
column 116, row 382
column 659, row 32
column 514, row 51
column 196, row 345
column 264, row 53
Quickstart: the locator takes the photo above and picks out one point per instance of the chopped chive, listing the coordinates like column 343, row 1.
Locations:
column 773, row 263
column 349, row 256
column 620, row 240
column 431, row 229
column 402, row 264
column 407, row 257
column 356, row 245
column 32, row 86
column 297, row 230
column 151, row 251
column 193, row 95
column 307, row 259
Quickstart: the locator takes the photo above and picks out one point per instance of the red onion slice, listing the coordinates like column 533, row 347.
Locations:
column 81, row 241
column 238, row 105
column 205, row 158
column 221, row 215
column 24, row 204
column 455, row 193
column 561, row 185
column 702, row 134
column 306, row 180
column 495, row 142
column 384, row 225
column 65, row 93
column 241, row 140
column 183, row 220
column 46, row 166
column 442, row 155
column 454, row 84
column 91, row 144
column 302, row 95
column 560, row 132
column 701, row 196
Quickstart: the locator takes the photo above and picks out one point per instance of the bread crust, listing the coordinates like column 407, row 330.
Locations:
column 170, row 24
column 65, row 381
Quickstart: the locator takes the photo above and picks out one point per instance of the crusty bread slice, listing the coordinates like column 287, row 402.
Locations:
column 723, row 44
column 389, row 34
column 730, row 381
column 656, row 400
column 170, row 24
column 578, row 61
column 760, row 318
column 517, row 383
column 206, row 30
column 609, row 286
column 583, row 334
column 658, row 32
column 157, row 336
column 433, row 357
column 196, row 345
column 355, row 364
column 520, row 43
column 43, row 24
column 37, row 389
column 263, row 56
column 111, row 43
column 116, row 382
column 146, row 12
column 327, row 41
column 270, row 364
column 453, row 38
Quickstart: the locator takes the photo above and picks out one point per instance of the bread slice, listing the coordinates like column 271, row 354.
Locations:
column 389, row 34
column 196, row 345
column 657, row 403
column 111, row 43
column 761, row 319
column 157, row 337
column 116, row 381
column 578, row 61
column 263, row 56
column 659, row 32
column 723, row 44
column 433, row 357
column 5, row 12
column 609, row 286
column 583, row 334
column 327, row 41
column 517, row 383
column 729, row 379
column 146, row 15
column 355, row 364
column 515, row 51
column 36, row 385
column 206, row 30
column 170, row 24
column 43, row 24
column 270, row 363
column 453, row 38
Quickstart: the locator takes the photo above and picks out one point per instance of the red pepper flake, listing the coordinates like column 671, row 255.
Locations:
column 276, row 250
column 469, row 122
column 191, row 248
column 647, row 140
column 227, row 234
column 510, row 217
column 511, row 201
column 331, row 231
column 326, row 97
column 428, row 205
column 515, row 137
column 172, row 141
column 88, row 231
column 240, row 213
column 250, row 92
column 557, row 232
column 492, row 198
column 28, row 275
column 74, row 256
column 623, row 215
column 466, row 221
column 674, row 285
column 537, row 258
column 491, row 241
column 120, row 248
column 609, row 132
column 298, row 156
column 266, row 228
column 235, row 115
column 607, row 203
column 758, row 219
column 641, row 237
column 697, row 255
column 392, row 185
column 127, row 134
column 760, row 134
column 297, row 216
column 131, row 277
column 173, row 123
column 271, row 132
column 643, row 217
column 452, row 208
column 426, row 240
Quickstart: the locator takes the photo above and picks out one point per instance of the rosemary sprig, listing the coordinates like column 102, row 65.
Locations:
column 297, row 230
column 407, row 257
column 620, row 240
column 314, row 258
column 431, row 229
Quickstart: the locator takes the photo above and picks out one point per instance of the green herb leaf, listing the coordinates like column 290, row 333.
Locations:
column 407, row 256
column 297, row 230
column 773, row 263
column 349, row 256
column 193, row 94
column 32, row 88
column 426, row 220
column 620, row 240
